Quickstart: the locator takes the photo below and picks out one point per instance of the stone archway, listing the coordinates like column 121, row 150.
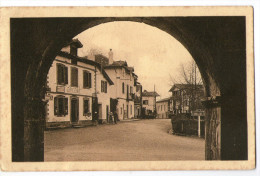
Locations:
column 216, row 43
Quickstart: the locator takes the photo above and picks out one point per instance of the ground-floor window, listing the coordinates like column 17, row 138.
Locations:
column 131, row 109
column 60, row 106
column 85, row 106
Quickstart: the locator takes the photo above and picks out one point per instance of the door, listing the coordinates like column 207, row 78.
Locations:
column 107, row 113
column 74, row 110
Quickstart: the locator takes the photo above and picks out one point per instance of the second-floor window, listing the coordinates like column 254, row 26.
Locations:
column 103, row 86
column 86, row 79
column 123, row 88
column 74, row 77
column 145, row 102
column 62, row 74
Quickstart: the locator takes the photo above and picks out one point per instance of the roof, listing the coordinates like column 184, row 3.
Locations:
column 87, row 61
column 120, row 64
column 164, row 100
column 145, row 93
column 184, row 86
column 75, row 42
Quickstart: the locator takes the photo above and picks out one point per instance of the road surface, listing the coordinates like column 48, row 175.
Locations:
column 143, row 140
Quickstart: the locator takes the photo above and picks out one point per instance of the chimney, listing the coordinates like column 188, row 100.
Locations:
column 110, row 57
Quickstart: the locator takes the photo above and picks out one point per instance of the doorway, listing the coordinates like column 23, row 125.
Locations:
column 74, row 110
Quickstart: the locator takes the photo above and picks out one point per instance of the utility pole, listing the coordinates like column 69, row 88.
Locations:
column 154, row 99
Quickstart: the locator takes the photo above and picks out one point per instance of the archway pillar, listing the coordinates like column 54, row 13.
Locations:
column 34, row 124
column 213, row 128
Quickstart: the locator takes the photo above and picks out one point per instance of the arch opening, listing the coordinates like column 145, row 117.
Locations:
column 62, row 30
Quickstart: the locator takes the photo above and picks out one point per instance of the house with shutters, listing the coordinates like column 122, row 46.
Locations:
column 149, row 101
column 123, row 90
column 77, row 89
column 126, row 91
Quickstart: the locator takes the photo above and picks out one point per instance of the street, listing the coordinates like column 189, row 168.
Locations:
column 143, row 140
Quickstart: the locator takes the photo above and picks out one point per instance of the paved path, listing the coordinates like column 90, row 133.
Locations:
column 127, row 141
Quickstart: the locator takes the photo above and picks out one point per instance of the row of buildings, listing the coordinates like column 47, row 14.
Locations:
column 83, row 90
column 185, row 99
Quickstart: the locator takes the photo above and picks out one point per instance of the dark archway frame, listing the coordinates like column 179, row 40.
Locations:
column 217, row 44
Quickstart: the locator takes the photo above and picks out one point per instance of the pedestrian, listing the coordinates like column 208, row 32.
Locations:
column 111, row 119
column 115, row 117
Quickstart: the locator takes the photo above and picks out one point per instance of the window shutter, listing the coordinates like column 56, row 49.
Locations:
column 59, row 74
column 76, row 77
column 55, row 106
column 85, row 79
column 105, row 87
column 65, row 75
column 89, row 79
column 65, row 106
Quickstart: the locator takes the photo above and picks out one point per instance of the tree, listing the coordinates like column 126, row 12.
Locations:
column 189, row 76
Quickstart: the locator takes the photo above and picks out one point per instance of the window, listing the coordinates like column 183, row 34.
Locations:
column 161, row 107
column 62, row 74
column 103, row 86
column 145, row 102
column 121, row 110
column 60, row 106
column 131, row 89
column 73, row 50
column 123, row 88
column 131, row 109
column 86, row 79
column 85, row 106
column 74, row 77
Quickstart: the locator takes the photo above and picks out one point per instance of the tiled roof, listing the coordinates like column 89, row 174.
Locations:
column 149, row 94
column 185, row 86
column 120, row 64
column 165, row 99
column 87, row 61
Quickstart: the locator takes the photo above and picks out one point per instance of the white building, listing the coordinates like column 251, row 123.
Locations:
column 123, row 88
column 164, row 107
column 138, row 100
column 74, row 84
column 149, row 101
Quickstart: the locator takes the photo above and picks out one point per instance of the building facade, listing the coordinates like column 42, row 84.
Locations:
column 77, row 90
column 138, row 100
column 123, row 88
column 149, row 102
column 187, row 98
column 164, row 108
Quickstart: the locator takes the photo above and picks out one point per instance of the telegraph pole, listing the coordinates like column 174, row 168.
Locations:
column 154, row 98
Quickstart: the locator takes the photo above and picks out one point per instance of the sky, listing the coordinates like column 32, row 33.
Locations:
column 154, row 54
